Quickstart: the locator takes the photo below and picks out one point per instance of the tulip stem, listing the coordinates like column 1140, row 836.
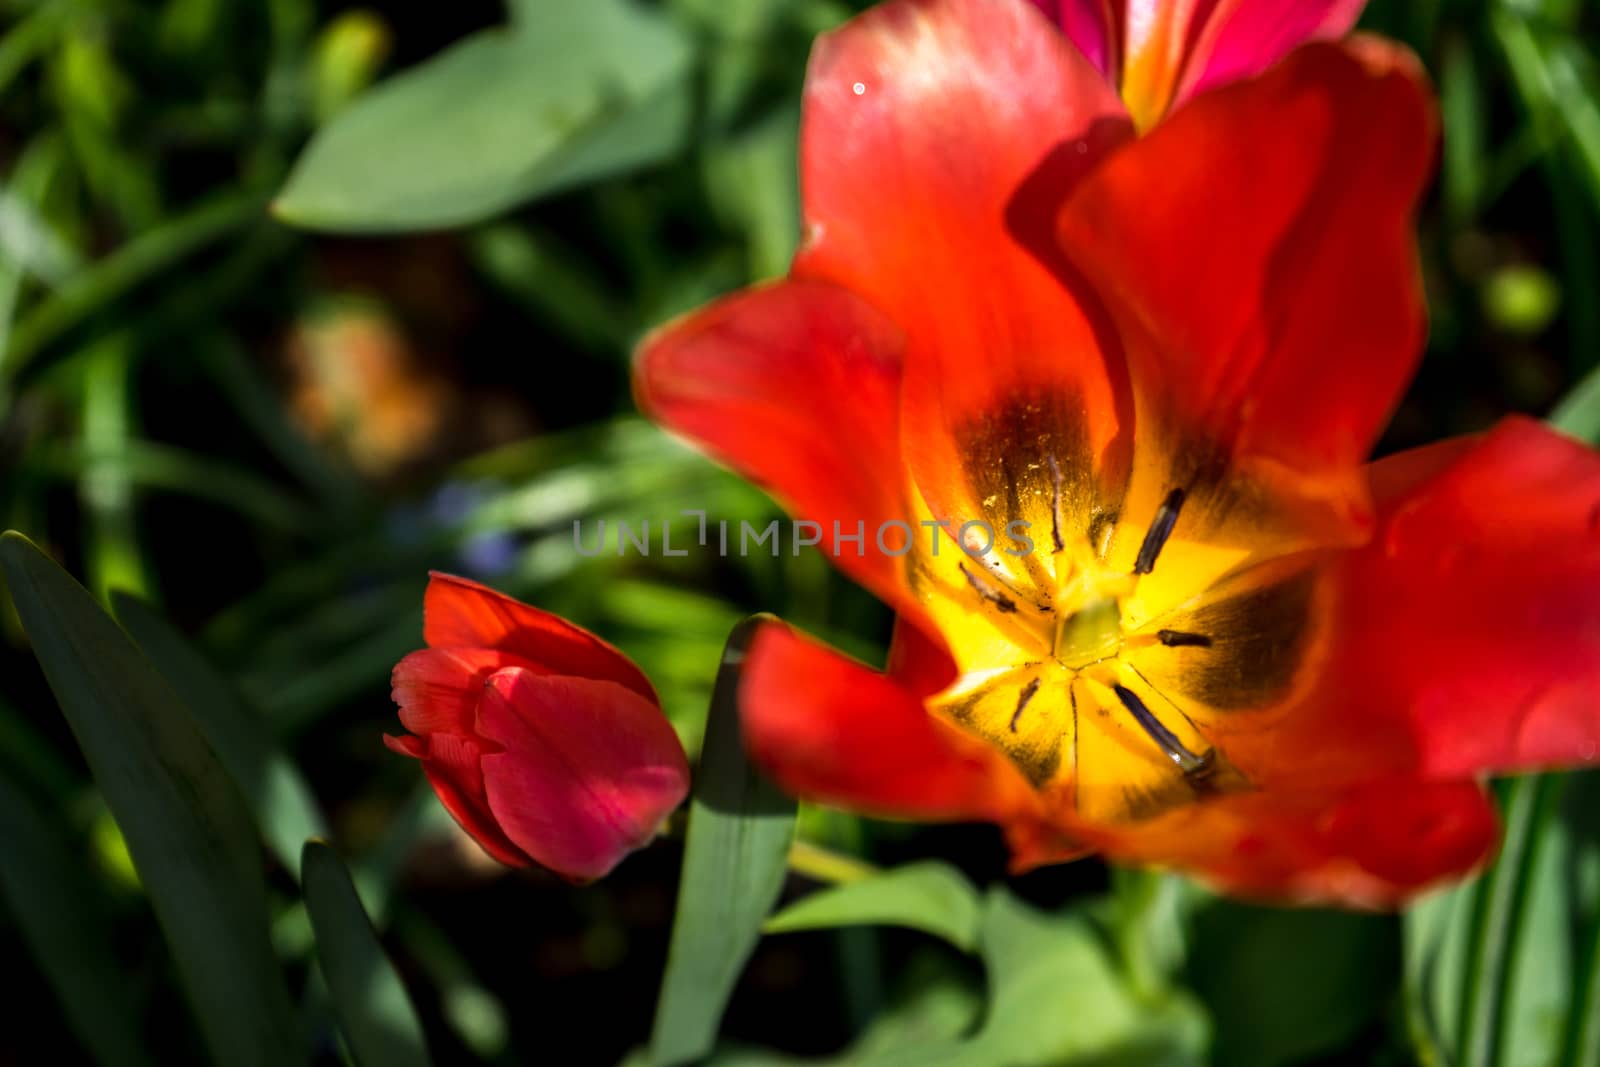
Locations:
column 823, row 865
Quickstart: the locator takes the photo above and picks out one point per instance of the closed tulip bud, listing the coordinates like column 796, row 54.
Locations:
column 545, row 743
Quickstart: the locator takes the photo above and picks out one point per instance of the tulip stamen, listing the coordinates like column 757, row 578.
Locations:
column 1182, row 639
column 1155, row 539
column 1022, row 701
column 1191, row 764
column 987, row 591
column 1055, row 502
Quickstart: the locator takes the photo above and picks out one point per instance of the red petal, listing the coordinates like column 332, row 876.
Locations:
column 405, row 745
column 588, row 769
column 1375, row 845
column 1473, row 617
column 797, row 386
column 438, row 688
column 829, row 729
column 1262, row 268
column 927, row 124
column 459, row 613
column 451, row 765
column 918, row 662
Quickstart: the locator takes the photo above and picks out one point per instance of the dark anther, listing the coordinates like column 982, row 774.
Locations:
column 1055, row 503
column 1155, row 539
column 989, row 592
column 1187, row 761
column 1182, row 639
column 1022, row 701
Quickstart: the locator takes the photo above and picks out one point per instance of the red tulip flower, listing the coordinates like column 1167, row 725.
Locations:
column 1158, row 53
column 1229, row 644
column 546, row 744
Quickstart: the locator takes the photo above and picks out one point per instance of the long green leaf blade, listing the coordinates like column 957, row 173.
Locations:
column 63, row 920
column 186, row 826
column 284, row 806
column 373, row 1007
column 734, row 862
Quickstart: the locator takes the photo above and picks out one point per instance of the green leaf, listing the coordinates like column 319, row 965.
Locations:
column 569, row 94
column 931, row 896
column 734, row 862
column 284, row 806
column 373, row 1007
column 186, row 826
column 1056, row 998
column 1579, row 411
column 63, row 919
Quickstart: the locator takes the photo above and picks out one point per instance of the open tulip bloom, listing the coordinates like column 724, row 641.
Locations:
column 1170, row 612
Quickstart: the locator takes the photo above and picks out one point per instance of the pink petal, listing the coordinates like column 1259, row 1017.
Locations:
column 1245, row 37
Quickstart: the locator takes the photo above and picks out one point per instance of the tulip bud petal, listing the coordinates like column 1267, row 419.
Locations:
column 587, row 769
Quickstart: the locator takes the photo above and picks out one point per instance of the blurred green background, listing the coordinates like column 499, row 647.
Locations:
column 270, row 425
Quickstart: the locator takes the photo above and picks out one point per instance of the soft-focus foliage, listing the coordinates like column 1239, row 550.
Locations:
column 263, row 437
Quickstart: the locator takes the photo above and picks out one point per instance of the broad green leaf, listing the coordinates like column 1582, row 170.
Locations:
column 186, row 825
column 569, row 94
column 63, row 920
column 931, row 896
column 373, row 1007
column 283, row 804
column 734, row 862
column 1056, row 998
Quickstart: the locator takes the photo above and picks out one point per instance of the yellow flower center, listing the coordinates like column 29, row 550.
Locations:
column 1104, row 647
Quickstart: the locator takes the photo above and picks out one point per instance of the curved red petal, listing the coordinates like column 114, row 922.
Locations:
column 931, row 131
column 438, row 688
column 1375, row 845
column 829, row 729
column 460, row 613
column 451, row 766
column 797, row 386
column 587, row 771
column 1234, row 242
column 1473, row 618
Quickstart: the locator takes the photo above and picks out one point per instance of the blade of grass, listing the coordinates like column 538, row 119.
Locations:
column 372, row 1005
column 151, row 465
column 734, row 861
column 118, row 273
